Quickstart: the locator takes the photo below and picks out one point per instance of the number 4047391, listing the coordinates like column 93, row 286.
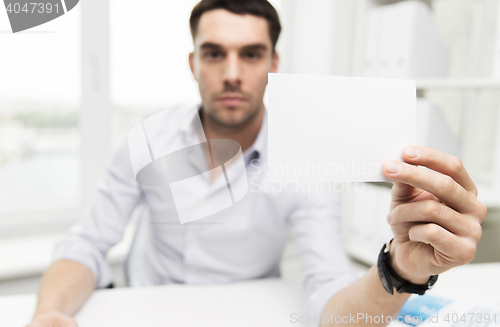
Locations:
column 32, row 8
column 482, row 317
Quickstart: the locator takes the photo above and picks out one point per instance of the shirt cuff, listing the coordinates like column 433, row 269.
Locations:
column 80, row 249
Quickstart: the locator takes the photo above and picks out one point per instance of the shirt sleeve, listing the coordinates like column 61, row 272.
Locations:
column 103, row 224
column 315, row 224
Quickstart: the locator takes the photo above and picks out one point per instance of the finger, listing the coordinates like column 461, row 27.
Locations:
column 442, row 186
column 451, row 248
column 441, row 162
column 437, row 213
column 404, row 192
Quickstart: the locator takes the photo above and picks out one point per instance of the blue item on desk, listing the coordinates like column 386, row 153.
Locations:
column 419, row 309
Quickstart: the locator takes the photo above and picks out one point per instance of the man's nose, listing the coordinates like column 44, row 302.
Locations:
column 232, row 74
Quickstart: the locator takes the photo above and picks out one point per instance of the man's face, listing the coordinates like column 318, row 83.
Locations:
column 232, row 56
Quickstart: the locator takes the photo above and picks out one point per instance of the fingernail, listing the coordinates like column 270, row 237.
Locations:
column 412, row 152
column 393, row 167
column 389, row 218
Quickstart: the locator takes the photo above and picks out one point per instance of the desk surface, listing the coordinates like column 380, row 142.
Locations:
column 253, row 303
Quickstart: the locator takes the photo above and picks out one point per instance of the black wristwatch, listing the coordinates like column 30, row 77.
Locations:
column 390, row 279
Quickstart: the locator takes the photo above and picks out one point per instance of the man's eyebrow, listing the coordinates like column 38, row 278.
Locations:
column 255, row 47
column 209, row 45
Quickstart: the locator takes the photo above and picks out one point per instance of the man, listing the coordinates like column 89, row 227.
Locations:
column 435, row 215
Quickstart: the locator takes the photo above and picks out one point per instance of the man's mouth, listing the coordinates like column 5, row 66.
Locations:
column 231, row 100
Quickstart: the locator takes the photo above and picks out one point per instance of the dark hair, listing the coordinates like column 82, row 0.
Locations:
column 260, row 8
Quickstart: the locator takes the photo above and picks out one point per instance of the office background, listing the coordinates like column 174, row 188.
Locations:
column 70, row 88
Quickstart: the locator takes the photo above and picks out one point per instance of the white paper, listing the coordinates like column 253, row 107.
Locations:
column 331, row 128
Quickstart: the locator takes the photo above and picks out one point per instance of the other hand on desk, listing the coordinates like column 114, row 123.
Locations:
column 52, row 319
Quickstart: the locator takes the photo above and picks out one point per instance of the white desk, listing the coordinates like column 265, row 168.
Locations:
column 254, row 303
column 266, row 302
column 474, row 282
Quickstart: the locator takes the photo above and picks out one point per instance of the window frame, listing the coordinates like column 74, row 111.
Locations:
column 94, row 128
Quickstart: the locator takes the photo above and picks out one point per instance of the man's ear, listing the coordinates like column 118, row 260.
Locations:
column 275, row 62
column 191, row 64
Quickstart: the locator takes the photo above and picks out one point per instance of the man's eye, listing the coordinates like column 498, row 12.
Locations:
column 213, row 55
column 252, row 55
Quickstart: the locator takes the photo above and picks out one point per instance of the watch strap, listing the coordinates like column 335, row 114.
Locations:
column 390, row 279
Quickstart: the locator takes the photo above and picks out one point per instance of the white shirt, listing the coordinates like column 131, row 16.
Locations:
column 244, row 241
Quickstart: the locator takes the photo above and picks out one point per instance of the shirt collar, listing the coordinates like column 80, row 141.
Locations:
column 260, row 144
column 190, row 123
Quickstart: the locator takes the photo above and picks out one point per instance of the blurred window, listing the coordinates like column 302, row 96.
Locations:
column 39, row 103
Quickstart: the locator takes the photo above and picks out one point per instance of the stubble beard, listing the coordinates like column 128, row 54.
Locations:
column 216, row 120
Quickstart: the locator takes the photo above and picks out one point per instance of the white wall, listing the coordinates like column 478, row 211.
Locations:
column 317, row 36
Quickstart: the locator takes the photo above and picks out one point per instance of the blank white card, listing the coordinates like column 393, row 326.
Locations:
column 331, row 128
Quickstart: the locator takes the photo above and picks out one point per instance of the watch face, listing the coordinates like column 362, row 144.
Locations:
column 385, row 282
column 383, row 273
